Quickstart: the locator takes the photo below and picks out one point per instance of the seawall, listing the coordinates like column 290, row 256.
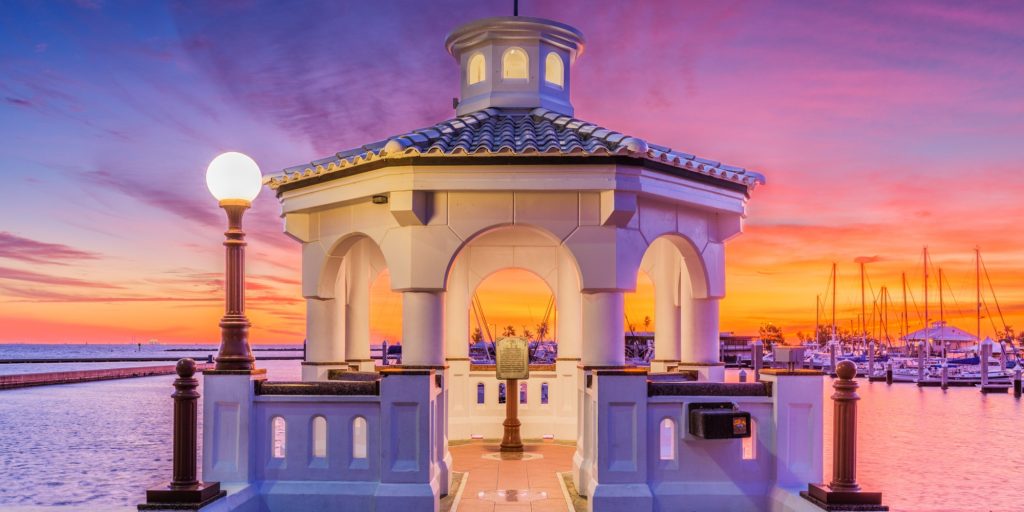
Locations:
column 72, row 377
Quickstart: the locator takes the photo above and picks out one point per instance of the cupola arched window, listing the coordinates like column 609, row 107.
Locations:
column 554, row 70
column 477, row 69
column 515, row 64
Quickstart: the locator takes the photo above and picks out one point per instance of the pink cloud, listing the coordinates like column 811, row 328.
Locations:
column 25, row 249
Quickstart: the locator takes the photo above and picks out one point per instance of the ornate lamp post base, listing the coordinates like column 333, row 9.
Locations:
column 197, row 495
column 510, row 441
column 842, row 500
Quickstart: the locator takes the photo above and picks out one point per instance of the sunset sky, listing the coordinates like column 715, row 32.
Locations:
column 882, row 127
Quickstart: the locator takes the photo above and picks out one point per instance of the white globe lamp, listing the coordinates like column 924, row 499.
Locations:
column 235, row 180
column 233, row 176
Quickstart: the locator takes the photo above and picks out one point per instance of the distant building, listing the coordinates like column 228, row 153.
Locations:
column 735, row 347
column 941, row 333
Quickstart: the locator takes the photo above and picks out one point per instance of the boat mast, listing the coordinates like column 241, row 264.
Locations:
column 906, row 319
column 833, row 302
column 927, row 327
column 883, row 321
column 942, row 316
column 977, row 280
column 863, row 313
column 817, row 318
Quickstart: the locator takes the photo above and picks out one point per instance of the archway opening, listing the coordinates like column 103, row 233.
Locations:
column 385, row 319
column 513, row 302
column 639, row 335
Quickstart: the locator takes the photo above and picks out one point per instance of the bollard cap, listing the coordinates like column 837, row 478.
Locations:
column 186, row 368
column 846, row 370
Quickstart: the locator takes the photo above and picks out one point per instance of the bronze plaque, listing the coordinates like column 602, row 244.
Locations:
column 512, row 358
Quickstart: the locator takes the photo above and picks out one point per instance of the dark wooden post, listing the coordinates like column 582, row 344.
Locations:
column 510, row 441
column 184, row 488
column 185, row 418
column 844, row 489
column 234, row 353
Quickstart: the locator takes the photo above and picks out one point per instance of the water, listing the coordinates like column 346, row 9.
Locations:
column 119, row 351
column 933, row 450
column 97, row 446
column 93, row 446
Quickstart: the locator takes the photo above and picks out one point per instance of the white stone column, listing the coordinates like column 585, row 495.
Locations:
column 325, row 345
column 666, row 308
column 460, row 392
column 603, row 328
column 357, row 308
column 568, row 309
column 700, row 345
column 456, row 306
column 568, row 324
column 423, row 328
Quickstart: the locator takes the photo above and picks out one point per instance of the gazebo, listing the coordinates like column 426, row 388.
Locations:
column 513, row 180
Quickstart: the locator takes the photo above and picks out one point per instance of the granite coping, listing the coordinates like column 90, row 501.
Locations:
column 670, row 377
column 351, row 376
column 656, row 388
column 791, row 373
column 319, row 388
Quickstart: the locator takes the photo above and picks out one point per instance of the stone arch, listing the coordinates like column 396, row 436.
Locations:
column 535, row 232
column 327, row 272
column 336, row 283
column 502, row 246
column 694, row 266
column 682, row 285
column 551, row 281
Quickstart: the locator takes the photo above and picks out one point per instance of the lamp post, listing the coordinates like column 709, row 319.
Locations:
column 234, row 180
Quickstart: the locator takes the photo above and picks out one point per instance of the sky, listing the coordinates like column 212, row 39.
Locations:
column 882, row 127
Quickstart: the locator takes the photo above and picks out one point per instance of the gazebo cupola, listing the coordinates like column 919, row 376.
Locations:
column 514, row 62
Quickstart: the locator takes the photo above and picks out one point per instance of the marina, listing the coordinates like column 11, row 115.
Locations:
column 505, row 256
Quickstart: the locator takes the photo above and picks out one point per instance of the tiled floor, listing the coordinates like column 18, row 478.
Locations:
column 489, row 476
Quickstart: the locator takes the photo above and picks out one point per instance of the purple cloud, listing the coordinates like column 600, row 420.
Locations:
column 36, row 277
column 33, row 251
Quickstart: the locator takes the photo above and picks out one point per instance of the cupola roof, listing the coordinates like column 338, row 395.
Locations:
column 535, row 137
column 514, row 108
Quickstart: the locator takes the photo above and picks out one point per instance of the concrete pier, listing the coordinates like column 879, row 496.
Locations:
column 73, row 377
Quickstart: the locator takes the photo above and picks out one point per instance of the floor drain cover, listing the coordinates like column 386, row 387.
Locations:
column 512, row 495
column 512, row 456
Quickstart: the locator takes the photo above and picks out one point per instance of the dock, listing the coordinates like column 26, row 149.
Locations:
column 76, row 376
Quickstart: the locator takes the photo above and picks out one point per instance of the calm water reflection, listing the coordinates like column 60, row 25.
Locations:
column 933, row 450
column 96, row 446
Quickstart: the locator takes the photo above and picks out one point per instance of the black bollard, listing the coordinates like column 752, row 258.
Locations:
column 1016, row 381
column 888, row 373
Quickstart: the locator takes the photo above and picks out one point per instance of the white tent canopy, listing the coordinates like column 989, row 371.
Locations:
column 996, row 347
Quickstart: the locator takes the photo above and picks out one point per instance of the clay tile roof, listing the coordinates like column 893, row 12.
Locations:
column 492, row 131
